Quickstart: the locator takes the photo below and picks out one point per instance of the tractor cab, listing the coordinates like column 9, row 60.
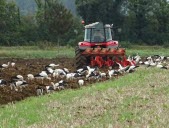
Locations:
column 97, row 33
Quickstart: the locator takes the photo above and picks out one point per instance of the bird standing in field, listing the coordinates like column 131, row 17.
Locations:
column 3, row 66
column 52, row 65
column 2, row 82
column 16, row 78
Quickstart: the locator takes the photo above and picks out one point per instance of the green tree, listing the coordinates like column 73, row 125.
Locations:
column 162, row 17
column 54, row 19
column 75, row 33
column 144, row 21
column 2, row 16
column 28, row 30
column 9, row 22
column 107, row 11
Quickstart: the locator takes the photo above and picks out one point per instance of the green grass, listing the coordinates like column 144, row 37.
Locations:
column 35, row 52
column 52, row 52
column 148, row 52
column 139, row 99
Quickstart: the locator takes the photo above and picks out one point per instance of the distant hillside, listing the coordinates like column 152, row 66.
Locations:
column 29, row 6
column 70, row 4
column 26, row 6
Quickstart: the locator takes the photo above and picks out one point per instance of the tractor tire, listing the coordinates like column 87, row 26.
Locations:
column 80, row 60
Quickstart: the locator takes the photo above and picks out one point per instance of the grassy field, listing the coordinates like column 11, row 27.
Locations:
column 52, row 52
column 35, row 52
column 134, row 100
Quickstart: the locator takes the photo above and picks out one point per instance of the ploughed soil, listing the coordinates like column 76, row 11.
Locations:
column 31, row 66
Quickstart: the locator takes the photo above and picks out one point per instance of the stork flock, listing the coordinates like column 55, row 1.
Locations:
column 53, row 78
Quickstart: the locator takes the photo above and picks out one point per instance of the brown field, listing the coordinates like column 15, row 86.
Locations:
column 24, row 67
column 32, row 66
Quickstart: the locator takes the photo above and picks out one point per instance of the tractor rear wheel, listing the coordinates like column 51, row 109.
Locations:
column 80, row 60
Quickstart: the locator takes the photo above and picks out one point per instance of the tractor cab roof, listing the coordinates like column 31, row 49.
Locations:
column 96, row 25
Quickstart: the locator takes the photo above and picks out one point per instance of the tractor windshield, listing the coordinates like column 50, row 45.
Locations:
column 98, row 35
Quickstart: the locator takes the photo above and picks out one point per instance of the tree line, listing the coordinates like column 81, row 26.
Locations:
column 140, row 21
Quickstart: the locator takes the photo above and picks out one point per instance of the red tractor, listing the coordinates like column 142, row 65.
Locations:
column 98, row 48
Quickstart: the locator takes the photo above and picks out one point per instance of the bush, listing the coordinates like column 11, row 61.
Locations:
column 166, row 45
column 74, row 42
column 44, row 45
column 124, row 44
